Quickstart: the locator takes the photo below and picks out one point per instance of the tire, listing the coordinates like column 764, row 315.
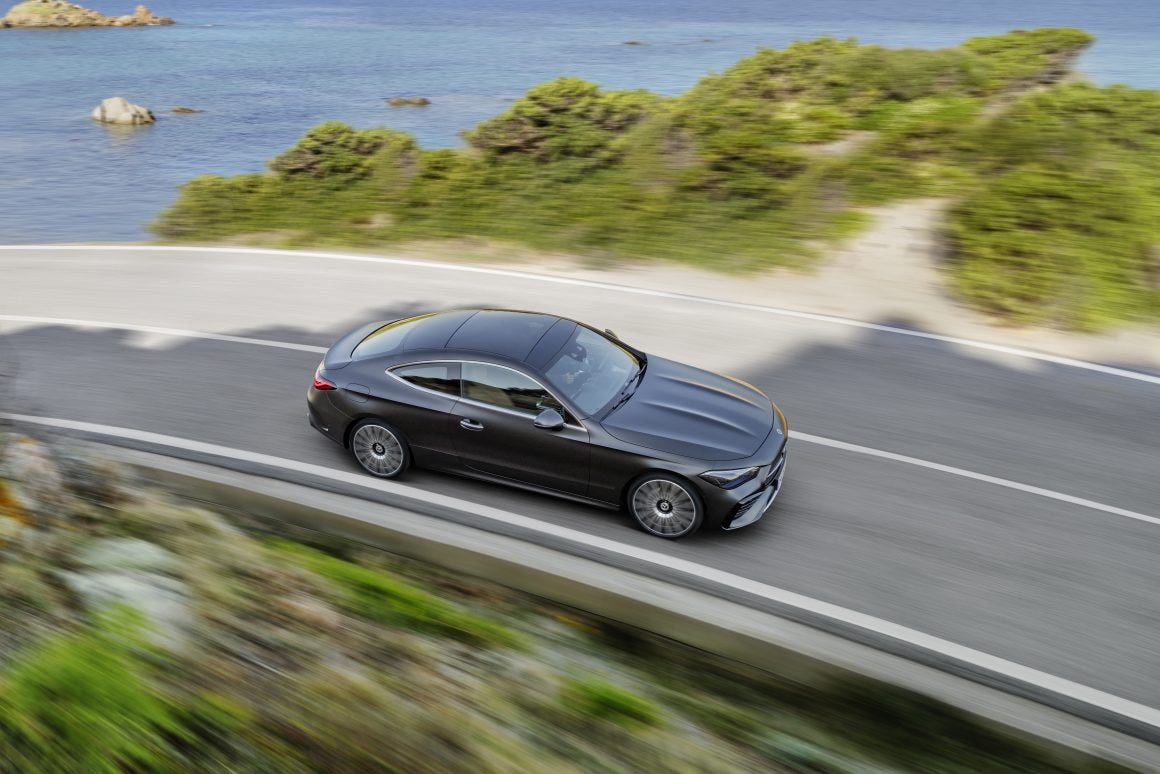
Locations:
column 379, row 449
column 665, row 506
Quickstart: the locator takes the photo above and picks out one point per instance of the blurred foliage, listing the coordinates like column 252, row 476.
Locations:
column 386, row 599
column 298, row 659
column 605, row 701
column 1055, row 183
column 80, row 702
column 1066, row 227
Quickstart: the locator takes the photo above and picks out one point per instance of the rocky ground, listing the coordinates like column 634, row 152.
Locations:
column 139, row 632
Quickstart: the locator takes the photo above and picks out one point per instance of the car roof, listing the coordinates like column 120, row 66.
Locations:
column 512, row 334
column 531, row 338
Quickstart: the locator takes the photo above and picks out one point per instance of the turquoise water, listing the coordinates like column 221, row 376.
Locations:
column 265, row 72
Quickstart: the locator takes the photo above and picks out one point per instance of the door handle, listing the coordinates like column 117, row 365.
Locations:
column 470, row 424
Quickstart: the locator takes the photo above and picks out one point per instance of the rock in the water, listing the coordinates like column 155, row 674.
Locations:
column 187, row 110
column 416, row 101
column 118, row 110
column 58, row 13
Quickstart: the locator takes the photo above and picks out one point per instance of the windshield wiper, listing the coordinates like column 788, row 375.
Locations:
column 629, row 388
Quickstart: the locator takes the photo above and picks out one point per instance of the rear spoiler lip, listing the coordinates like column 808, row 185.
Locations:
column 339, row 354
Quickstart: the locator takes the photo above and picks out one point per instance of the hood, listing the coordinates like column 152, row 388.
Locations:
column 683, row 410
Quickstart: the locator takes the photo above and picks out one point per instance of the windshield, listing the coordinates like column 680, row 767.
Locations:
column 590, row 370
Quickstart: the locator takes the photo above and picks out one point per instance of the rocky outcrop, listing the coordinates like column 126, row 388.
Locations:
column 58, row 13
column 118, row 110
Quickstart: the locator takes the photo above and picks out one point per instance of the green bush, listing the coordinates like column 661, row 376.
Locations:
column 1063, row 229
column 563, row 119
column 1048, row 244
column 335, row 148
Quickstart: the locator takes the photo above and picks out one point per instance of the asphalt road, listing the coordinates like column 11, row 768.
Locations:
column 1054, row 585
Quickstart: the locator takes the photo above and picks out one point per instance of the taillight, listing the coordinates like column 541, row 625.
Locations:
column 321, row 382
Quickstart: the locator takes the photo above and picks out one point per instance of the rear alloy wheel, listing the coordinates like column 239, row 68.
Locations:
column 665, row 506
column 380, row 449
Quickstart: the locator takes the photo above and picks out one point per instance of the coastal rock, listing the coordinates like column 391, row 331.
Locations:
column 187, row 110
column 58, row 13
column 118, row 110
column 401, row 101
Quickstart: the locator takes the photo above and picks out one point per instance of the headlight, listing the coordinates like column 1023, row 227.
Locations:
column 730, row 479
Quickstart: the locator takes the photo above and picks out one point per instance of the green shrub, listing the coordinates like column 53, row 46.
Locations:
column 1022, row 55
column 335, row 148
column 1064, row 226
column 562, row 119
column 605, row 701
column 380, row 597
column 1049, row 244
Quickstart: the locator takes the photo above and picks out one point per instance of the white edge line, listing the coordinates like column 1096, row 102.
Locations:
column 446, row 266
column 176, row 332
column 806, row 437
column 1060, row 686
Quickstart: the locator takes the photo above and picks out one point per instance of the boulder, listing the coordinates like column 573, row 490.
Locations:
column 118, row 110
column 58, row 13
column 401, row 101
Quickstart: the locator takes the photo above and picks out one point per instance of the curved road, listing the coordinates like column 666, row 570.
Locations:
column 1002, row 502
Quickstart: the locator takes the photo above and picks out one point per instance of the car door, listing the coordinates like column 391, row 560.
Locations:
column 492, row 430
column 420, row 396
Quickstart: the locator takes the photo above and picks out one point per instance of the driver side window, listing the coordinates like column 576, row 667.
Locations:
column 502, row 387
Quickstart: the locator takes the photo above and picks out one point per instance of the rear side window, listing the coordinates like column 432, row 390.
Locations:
column 505, row 388
column 440, row 377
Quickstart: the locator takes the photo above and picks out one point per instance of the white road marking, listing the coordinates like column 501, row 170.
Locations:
column 806, row 437
column 444, row 266
column 178, row 332
column 974, row 658
column 1035, row 490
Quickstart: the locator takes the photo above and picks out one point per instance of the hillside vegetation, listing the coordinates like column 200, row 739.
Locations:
column 141, row 633
column 1055, row 182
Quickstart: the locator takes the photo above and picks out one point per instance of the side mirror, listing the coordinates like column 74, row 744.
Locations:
column 549, row 419
column 611, row 333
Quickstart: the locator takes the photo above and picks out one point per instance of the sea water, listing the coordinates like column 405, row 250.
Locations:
column 266, row 71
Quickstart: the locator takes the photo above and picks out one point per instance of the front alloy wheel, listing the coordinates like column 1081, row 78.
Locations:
column 665, row 506
column 379, row 450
